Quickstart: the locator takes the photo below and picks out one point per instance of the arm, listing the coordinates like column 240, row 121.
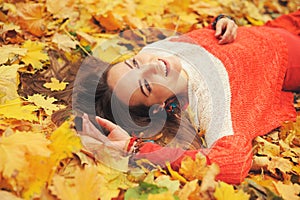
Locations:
column 232, row 153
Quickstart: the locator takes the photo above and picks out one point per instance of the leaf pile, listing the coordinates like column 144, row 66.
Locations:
column 42, row 44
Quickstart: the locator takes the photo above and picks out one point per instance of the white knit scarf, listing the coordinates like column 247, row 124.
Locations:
column 208, row 86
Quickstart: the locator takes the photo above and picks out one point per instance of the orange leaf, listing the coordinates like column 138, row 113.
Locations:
column 31, row 18
column 109, row 21
column 194, row 169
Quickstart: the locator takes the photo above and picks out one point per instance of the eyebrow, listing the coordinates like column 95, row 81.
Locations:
column 141, row 87
column 128, row 64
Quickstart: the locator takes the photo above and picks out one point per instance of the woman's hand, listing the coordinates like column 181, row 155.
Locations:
column 226, row 30
column 117, row 138
column 116, row 133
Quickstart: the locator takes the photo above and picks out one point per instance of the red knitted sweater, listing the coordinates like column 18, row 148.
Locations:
column 256, row 63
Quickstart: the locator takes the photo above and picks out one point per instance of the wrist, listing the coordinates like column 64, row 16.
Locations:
column 133, row 145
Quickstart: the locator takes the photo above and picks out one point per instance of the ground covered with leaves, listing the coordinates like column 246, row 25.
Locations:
column 42, row 43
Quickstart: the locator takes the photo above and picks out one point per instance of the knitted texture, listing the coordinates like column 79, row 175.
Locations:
column 257, row 105
column 256, row 63
column 290, row 22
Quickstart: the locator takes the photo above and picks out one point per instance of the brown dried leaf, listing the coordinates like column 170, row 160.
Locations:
column 208, row 184
column 64, row 42
column 267, row 148
column 288, row 191
column 282, row 164
column 31, row 18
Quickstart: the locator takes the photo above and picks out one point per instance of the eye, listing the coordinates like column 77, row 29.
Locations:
column 135, row 63
column 147, row 85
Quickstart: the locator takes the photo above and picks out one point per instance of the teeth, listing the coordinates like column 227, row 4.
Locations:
column 163, row 66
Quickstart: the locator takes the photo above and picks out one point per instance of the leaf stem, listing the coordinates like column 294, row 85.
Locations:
column 63, row 27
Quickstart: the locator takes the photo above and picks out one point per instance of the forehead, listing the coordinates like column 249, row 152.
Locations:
column 124, row 83
column 116, row 72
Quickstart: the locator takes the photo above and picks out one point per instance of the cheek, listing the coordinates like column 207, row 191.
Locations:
column 162, row 93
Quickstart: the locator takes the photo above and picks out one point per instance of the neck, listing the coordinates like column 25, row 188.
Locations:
column 184, row 82
column 183, row 89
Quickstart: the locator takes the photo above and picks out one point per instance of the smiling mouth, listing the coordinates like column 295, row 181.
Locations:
column 164, row 65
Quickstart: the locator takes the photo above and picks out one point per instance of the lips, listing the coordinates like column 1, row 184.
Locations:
column 164, row 66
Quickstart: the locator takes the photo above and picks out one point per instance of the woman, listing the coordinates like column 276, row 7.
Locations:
column 187, row 87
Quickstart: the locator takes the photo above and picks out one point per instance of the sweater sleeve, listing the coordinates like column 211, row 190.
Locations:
column 232, row 153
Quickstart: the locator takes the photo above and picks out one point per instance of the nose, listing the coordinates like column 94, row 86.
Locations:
column 149, row 69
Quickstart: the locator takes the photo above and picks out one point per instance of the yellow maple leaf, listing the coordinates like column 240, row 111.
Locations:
column 84, row 184
column 225, row 191
column 47, row 103
column 55, row 85
column 35, row 176
column 34, row 54
column 113, row 181
column 15, row 109
column 64, row 42
column 64, row 141
column 41, row 169
column 13, row 149
column 9, row 51
column 109, row 50
column 194, row 169
column 9, row 82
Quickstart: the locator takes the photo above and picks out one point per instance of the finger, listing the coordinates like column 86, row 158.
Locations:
column 90, row 130
column 229, row 34
column 117, row 145
column 87, row 125
column 106, row 123
column 118, row 134
column 225, row 39
column 219, row 28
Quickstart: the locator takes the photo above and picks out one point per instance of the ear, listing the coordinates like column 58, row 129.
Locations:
column 157, row 108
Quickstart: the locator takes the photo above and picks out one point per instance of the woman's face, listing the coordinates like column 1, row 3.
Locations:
column 147, row 79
